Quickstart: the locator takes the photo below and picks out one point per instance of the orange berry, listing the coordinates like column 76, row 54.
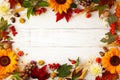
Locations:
column 88, row 15
column 98, row 60
column 20, row 53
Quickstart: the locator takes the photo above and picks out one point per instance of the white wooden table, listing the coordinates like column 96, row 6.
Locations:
column 44, row 38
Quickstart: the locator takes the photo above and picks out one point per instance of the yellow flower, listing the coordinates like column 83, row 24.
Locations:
column 8, row 62
column 4, row 8
column 96, row 69
column 111, row 61
column 60, row 5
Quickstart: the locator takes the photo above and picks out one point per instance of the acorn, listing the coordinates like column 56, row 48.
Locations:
column 7, row 45
column 17, row 15
column 12, row 19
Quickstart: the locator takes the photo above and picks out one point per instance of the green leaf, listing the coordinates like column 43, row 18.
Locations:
column 29, row 12
column 3, row 24
column 43, row 4
column 28, row 3
column 73, row 5
column 104, row 40
column 96, row 1
column 77, row 62
column 101, row 9
column 64, row 70
column 112, row 19
column 111, row 38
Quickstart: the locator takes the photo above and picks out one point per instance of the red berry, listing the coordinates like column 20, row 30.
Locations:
column 43, row 10
column 73, row 61
column 98, row 60
column 38, row 12
column 88, row 15
column 20, row 53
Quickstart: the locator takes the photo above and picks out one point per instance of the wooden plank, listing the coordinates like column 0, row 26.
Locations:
column 67, row 37
column 48, row 20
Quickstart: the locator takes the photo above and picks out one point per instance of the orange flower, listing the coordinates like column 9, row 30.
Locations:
column 111, row 61
column 8, row 62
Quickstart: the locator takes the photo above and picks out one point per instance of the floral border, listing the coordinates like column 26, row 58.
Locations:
column 105, row 67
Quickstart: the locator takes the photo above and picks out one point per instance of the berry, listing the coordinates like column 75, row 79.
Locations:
column 73, row 61
column 88, row 15
column 43, row 10
column 98, row 60
column 20, row 53
column 38, row 12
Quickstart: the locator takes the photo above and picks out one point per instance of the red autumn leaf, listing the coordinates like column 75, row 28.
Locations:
column 12, row 3
column 108, row 76
column 68, row 15
column 59, row 16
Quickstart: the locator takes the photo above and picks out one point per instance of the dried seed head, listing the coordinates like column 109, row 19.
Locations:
column 101, row 53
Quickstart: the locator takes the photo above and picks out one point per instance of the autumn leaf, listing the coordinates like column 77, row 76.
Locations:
column 13, row 3
column 108, row 76
column 68, row 15
column 59, row 16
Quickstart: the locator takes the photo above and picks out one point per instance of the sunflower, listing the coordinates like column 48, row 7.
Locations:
column 111, row 61
column 8, row 62
column 60, row 5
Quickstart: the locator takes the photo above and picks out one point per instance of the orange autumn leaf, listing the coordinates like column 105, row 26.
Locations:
column 118, row 23
column 117, row 13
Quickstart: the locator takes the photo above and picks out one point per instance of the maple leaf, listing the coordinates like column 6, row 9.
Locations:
column 59, row 16
column 68, row 15
column 12, row 3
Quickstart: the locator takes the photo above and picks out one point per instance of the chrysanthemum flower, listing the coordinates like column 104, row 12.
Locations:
column 96, row 69
column 5, row 8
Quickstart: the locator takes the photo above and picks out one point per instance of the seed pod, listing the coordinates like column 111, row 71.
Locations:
column 22, row 20
column 17, row 15
column 105, row 49
column 101, row 53
column 41, row 62
column 12, row 19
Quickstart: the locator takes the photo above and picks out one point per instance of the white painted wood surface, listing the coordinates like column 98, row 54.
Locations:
column 42, row 38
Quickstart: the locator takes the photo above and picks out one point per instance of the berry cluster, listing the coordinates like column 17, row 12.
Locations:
column 54, row 66
column 40, row 11
column 28, row 69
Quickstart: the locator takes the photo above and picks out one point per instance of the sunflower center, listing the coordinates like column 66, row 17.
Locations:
column 115, row 60
column 4, row 60
column 60, row 1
